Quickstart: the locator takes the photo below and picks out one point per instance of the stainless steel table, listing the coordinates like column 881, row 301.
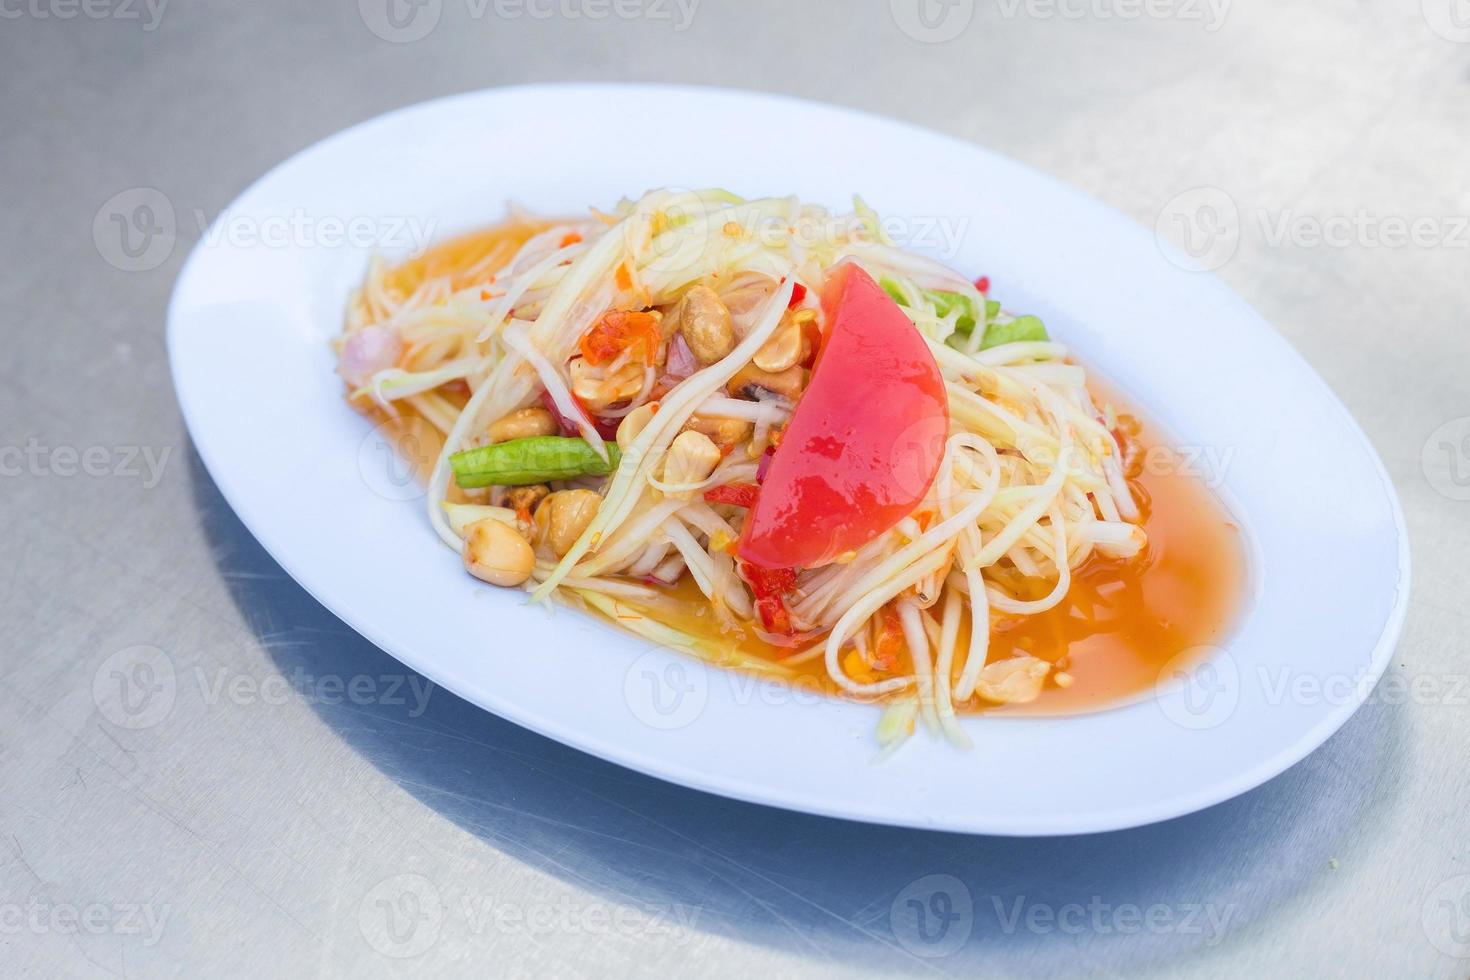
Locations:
column 203, row 772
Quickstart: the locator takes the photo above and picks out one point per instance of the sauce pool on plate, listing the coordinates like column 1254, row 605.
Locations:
column 1122, row 621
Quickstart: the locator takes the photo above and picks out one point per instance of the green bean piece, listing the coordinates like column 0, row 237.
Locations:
column 538, row 459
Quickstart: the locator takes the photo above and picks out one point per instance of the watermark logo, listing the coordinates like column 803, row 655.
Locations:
column 912, row 450
column 396, row 455
column 674, row 238
column 666, row 690
column 1210, row 465
column 135, row 230
column 1446, row 917
column 404, row 916
column 401, row 916
column 1203, row 224
column 401, row 21
column 1446, row 459
column 1450, row 19
column 1199, row 688
column 932, row 21
column 300, row 228
column 933, row 916
column 135, row 687
column 1202, row 229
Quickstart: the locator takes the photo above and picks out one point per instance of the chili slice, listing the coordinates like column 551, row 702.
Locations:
column 734, row 494
column 770, row 586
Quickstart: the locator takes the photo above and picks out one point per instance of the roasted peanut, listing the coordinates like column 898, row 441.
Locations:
column 692, row 457
column 1013, row 681
column 787, row 345
column 705, row 323
column 787, row 383
column 495, row 552
column 634, row 423
column 522, row 424
column 724, row 432
column 598, row 389
column 568, row 512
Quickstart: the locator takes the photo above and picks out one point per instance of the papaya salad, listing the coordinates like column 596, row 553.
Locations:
column 759, row 432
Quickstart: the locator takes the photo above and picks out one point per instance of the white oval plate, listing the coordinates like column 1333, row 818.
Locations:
column 263, row 292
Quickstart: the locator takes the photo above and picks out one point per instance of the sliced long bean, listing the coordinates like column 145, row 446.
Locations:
column 538, row 459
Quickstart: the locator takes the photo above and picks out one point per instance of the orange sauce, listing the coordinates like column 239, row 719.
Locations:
column 1120, row 622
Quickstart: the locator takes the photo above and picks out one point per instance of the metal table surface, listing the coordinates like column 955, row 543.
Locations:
column 203, row 772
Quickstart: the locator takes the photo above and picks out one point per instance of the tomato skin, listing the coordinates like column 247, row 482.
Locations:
column 865, row 441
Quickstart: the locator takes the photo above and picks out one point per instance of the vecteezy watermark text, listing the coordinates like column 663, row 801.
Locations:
column 1206, row 225
column 137, row 688
column 392, row 690
column 1364, row 229
column 148, row 12
column 1206, row 919
column 137, row 229
column 1211, row 13
column 935, row 915
column 937, row 21
column 406, row 21
column 38, row 917
column 404, row 915
column 126, row 462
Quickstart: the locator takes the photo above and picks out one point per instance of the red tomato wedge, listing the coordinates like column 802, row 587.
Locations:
column 865, row 441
